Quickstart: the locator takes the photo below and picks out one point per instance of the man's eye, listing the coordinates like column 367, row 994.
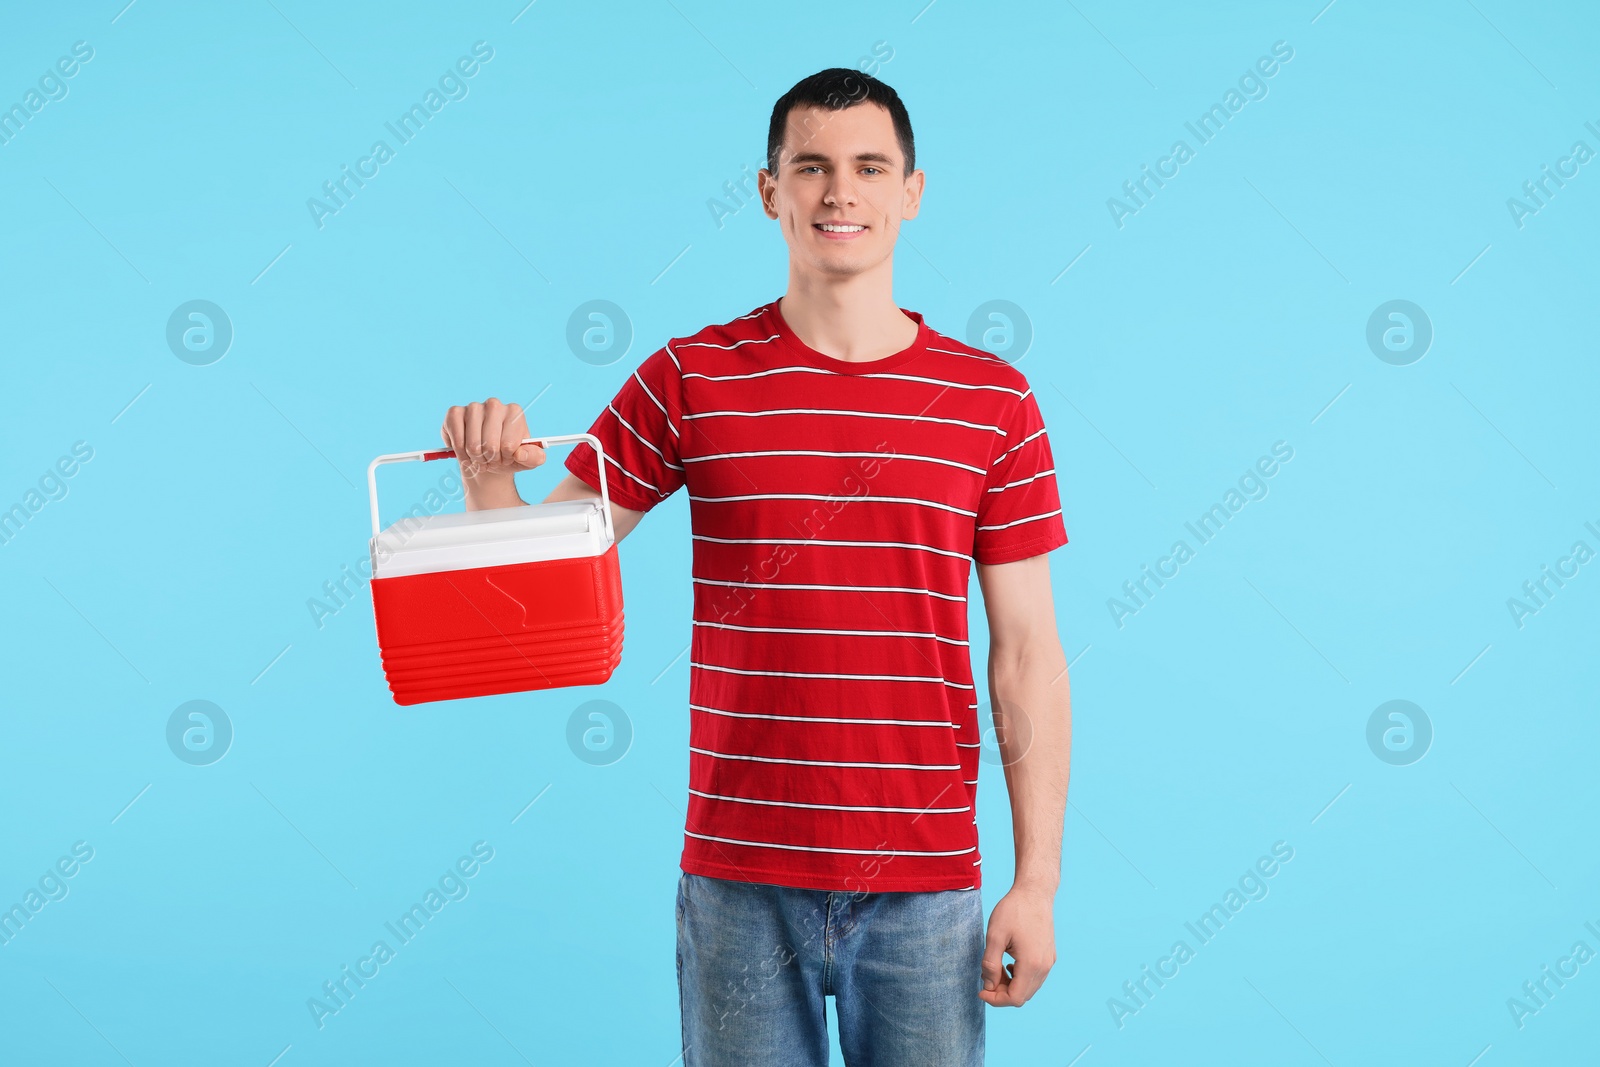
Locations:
column 811, row 167
column 873, row 169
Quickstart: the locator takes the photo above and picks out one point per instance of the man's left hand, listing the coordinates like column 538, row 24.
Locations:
column 1022, row 924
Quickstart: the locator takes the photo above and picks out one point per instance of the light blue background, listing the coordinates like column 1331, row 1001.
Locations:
column 1228, row 314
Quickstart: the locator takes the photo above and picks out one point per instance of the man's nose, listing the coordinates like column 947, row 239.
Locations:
column 840, row 190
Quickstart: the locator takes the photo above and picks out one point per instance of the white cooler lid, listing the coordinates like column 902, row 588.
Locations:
column 568, row 529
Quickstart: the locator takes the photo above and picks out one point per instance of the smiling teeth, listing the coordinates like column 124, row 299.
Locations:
column 841, row 229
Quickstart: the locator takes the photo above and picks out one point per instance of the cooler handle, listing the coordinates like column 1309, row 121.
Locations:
column 445, row 453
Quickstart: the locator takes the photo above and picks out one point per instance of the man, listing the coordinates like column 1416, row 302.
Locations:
column 845, row 464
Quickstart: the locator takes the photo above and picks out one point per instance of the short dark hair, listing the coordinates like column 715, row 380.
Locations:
column 838, row 88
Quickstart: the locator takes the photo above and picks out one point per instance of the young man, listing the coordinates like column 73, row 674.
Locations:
column 845, row 464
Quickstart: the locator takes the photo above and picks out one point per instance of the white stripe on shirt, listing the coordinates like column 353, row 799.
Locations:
column 807, row 630
column 936, row 679
column 736, row 344
column 834, row 496
column 987, row 357
column 822, row 718
column 839, row 588
column 642, row 439
column 1021, row 481
column 885, row 456
column 830, row 807
column 844, row 411
column 1016, row 446
column 831, row 763
column 815, row 848
column 658, row 404
column 1019, row 522
column 613, row 461
column 829, row 541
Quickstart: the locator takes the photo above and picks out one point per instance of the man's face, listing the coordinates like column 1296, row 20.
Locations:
column 840, row 168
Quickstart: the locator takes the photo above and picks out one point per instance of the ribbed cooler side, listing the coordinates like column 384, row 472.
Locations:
column 495, row 659
column 508, row 629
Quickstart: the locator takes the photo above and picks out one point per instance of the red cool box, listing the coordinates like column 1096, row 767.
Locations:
column 498, row 601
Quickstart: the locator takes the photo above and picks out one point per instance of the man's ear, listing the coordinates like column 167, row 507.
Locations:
column 913, row 195
column 768, row 187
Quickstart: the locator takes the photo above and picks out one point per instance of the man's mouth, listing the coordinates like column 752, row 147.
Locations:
column 839, row 231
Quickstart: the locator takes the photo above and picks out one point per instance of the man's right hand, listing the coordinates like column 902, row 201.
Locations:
column 487, row 440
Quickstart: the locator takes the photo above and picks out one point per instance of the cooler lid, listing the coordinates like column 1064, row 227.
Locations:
column 423, row 544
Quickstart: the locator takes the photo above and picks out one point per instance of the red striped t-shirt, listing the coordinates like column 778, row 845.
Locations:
column 836, row 509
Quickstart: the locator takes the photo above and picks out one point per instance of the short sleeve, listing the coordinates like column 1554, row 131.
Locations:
column 1019, row 514
column 639, row 432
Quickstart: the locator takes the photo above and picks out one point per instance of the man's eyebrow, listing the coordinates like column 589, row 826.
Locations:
column 818, row 157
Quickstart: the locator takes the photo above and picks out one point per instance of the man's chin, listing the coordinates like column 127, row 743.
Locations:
column 841, row 265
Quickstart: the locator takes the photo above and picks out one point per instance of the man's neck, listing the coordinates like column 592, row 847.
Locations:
column 855, row 320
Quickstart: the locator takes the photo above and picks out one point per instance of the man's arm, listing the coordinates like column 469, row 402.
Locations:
column 1032, row 705
column 574, row 488
column 487, row 440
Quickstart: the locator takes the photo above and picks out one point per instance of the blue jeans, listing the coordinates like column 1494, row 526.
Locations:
column 756, row 962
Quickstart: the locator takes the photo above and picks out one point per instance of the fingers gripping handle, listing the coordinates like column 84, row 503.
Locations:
column 445, row 453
